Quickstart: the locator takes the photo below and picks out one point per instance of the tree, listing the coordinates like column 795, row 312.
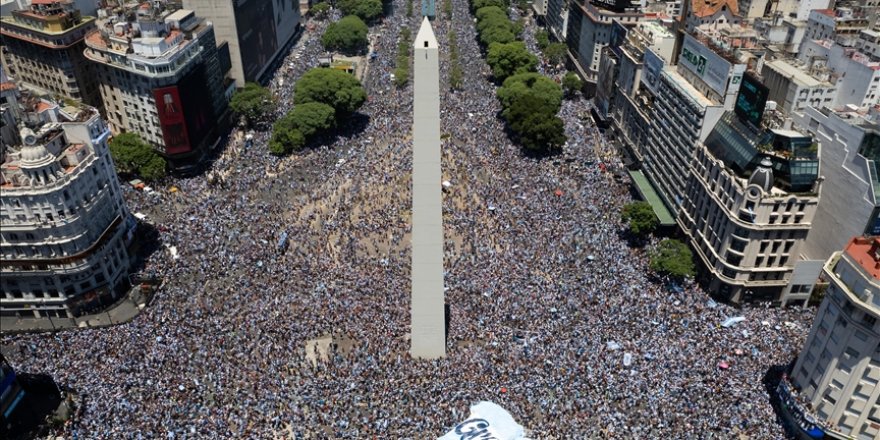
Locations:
column 347, row 35
column 320, row 10
column 641, row 218
column 133, row 155
column 672, row 258
column 530, row 84
column 367, row 10
column 285, row 138
column 312, row 118
column 543, row 38
column 479, row 4
column 510, row 59
column 338, row 89
column 253, row 102
column 538, row 129
column 555, row 53
column 572, row 83
column 489, row 11
column 497, row 34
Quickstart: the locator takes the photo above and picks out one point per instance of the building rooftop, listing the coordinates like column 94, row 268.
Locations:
column 689, row 90
column 705, row 8
column 866, row 252
column 796, row 74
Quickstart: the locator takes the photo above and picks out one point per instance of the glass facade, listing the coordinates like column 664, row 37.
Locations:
column 795, row 158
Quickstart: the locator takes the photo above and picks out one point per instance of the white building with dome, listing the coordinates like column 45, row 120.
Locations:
column 64, row 227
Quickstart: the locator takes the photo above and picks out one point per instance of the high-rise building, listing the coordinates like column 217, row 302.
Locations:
column 837, row 372
column 64, row 226
column 749, row 201
column 160, row 76
column 44, row 50
column 259, row 32
column 591, row 26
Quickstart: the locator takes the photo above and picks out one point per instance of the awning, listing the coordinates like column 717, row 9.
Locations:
column 647, row 191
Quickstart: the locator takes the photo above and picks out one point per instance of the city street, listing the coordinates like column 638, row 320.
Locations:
column 546, row 297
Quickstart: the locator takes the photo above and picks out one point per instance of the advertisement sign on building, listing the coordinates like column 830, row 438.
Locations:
column 751, row 100
column 653, row 67
column 172, row 120
column 706, row 64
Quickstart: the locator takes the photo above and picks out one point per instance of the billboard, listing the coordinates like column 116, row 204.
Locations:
column 257, row 39
column 614, row 5
column 751, row 100
column 171, row 119
column 653, row 67
column 197, row 105
column 706, row 64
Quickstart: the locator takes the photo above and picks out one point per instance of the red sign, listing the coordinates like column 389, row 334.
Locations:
column 171, row 118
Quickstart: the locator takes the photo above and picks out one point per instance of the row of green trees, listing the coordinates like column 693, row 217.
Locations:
column 456, row 76
column 529, row 100
column 322, row 97
column 348, row 35
column 401, row 72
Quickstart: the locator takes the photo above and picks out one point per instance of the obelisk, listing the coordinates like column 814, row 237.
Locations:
column 428, row 324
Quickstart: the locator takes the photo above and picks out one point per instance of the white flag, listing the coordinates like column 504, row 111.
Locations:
column 488, row 421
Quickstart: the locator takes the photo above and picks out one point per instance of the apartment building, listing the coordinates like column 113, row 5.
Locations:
column 750, row 200
column 859, row 76
column 591, row 27
column 160, row 77
column 794, row 88
column 64, row 227
column 836, row 375
column 44, row 50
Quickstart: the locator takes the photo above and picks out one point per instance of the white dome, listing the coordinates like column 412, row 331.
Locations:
column 35, row 155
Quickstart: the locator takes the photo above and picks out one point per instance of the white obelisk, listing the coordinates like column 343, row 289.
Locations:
column 428, row 324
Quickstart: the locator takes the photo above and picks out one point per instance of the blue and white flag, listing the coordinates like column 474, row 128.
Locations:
column 488, row 421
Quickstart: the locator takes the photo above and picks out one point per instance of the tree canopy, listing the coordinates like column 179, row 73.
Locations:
column 298, row 127
column 517, row 86
column 538, row 131
column 672, row 258
column 556, row 53
column 367, row 10
column 478, row 4
column 641, row 218
column 571, row 83
column 336, row 88
column 348, row 35
column 132, row 155
column 253, row 102
column 507, row 59
column 494, row 26
column 543, row 38
column 320, row 9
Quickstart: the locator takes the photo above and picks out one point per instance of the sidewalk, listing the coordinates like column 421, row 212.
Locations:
column 123, row 311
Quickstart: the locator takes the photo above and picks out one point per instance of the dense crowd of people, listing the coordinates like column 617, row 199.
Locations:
column 553, row 317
